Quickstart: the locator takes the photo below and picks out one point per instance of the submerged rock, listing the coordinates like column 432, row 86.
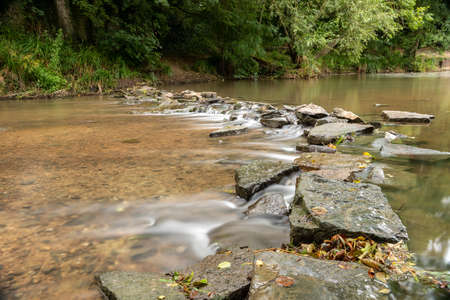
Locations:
column 406, row 117
column 119, row 285
column 269, row 204
column 274, row 122
column 329, row 133
column 259, row 174
column 304, row 147
column 229, row 130
column 331, row 165
column 309, row 113
column 324, row 207
column 287, row 276
column 411, row 152
column 347, row 115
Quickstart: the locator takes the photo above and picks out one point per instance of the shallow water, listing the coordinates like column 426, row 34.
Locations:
column 88, row 187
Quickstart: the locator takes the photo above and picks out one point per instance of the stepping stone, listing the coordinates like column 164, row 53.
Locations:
column 331, row 165
column 259, row 174
column 281, row 275
column 324, row 207
column 229, row 130
column 331, row 132
column 406, row 117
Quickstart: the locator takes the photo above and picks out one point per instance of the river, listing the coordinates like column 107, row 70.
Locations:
column 89, row 184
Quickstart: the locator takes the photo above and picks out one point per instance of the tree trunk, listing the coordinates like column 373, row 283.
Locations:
column 64, row 19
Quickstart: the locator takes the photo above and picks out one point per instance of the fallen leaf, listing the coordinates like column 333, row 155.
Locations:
column 162, row 297
column 381, row 276
column 356, row 181
column 384, row 291
column 367, row 154
column 259, row 263
column 318, row 210
column 285, row 281
column 224, row 265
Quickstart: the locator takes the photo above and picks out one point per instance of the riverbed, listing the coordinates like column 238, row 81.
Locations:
column 89, row 185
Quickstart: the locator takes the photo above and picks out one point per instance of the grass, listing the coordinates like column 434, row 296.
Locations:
column 44, row 64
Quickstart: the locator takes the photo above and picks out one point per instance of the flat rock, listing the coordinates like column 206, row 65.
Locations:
column 329, row 133
column 312, row 279
column 309, row 113
column 331, row 165
column 259, row 174
column 406, row 117
column 304, row 147
column 119, row 285
column 330, row 119
column 229, row 130
column 208, row 94
column 347, row 115
column 231, row 283
column 411, row 152
column 269, row 204
column 371, row 174
column 274, row 122
column 324, row 207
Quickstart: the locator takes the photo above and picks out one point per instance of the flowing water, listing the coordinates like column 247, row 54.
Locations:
column 86, row 186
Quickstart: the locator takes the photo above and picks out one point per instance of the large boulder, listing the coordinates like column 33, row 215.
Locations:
column 411, row 152
column 229, row 130
column 309, row 113
column 332, row 165
column 259, row 174
column 406, row 117
column 331, row 132
column 324, row 207
column 347, row 115
column 281, row 275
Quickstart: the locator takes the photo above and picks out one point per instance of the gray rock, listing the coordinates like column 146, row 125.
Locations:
column 274, row 122
column 231, row 283
column 329, row 119
column 229, row 130
column 209, row 94
column 406, row 117
column 259, row 174
column 269, row 204
column 371, row 174
column 324, row 207
column 411, row 152
column 312, row 279
column 136, row 286
column 309, row 113
column 271, row 114
column 347, row 115
column 329, row 133
column 314, row 148
column 228, row 283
